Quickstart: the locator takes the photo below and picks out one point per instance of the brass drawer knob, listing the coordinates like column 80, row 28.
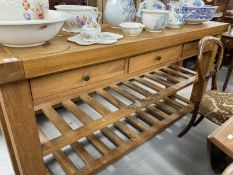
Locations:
column 158, row 58
column 86, row 78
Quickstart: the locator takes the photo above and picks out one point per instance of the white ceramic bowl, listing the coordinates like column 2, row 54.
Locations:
column 155, row 20
column 78, row 16
column 12, row 10
column 150, row 5
column 31, row 33
column 131, row 28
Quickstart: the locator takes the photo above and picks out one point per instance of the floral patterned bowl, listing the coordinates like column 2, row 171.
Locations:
column 31, row 33
column 21, row 10
column 150, row 5
column 197, row 15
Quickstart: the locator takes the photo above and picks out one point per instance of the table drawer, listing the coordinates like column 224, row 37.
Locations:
column 191, row 49
column 227, row 42
column 52, row 84
column 154, row 58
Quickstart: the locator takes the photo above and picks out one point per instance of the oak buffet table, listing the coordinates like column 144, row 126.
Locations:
column 38, row 81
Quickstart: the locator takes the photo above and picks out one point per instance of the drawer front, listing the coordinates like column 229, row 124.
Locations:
column 154, row 58
column 52, row 84
column 191, row 49
column 227, row 42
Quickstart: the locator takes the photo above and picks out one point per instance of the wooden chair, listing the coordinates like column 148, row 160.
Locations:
column 227, row 39
column 214, row 105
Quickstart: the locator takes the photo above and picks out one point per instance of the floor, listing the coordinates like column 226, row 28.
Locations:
column 165, row 154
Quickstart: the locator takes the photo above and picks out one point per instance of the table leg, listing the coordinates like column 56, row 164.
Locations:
column 218, row 159
column 230, row 67
column 19, row 124
column 8, row 142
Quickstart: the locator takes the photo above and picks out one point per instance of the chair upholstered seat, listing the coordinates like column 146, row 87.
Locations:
column 217, row 106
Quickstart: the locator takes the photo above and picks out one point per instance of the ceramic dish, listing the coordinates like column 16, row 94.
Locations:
column 78, row 40
column 197, row 15
column 31, row 33
column 155, row 20
column 150, row 5
column 110, row 36
column 131, row 28
column 192, row 3
column 13, row 10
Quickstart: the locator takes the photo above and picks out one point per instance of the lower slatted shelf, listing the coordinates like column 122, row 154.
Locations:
column 85, row 133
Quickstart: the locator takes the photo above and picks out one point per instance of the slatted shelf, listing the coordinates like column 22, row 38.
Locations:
column 145, row 105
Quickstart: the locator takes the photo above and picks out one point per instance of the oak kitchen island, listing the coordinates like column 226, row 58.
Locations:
column 37, row 82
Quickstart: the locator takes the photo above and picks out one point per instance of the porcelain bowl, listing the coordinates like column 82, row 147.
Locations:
column 31, row 33
column 197, row 15
column 131, row 28
column 150, row 5
column 78, row 16
column 155, row 20
column 12, row 10
column 192, row 3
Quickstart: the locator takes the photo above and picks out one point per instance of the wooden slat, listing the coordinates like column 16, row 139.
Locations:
column 113, row 137
column 124, row 93
column 174, row 102
column 185, row 70
column 126, row 130
column 84, row 155
column 149, row 118
column 137, row 88
column 158, row 112
column 78, row 113
column 65, row 162
column 62, row 159
column 166, row 107
column 111, row 99
column 98, row 144
column 136, row 123
column 57, row 120
column 97, row 106
column 169, row 77
column 149, row 84
column 158, row 79
column 176, row 73
column 181, row 98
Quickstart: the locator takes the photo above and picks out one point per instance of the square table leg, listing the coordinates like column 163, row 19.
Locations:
column 21, row 132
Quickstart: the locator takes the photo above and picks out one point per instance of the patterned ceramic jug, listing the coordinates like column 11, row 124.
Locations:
column 118, row 11
column 176, row 18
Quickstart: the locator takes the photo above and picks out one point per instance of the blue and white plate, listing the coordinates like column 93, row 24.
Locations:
column 150, row 5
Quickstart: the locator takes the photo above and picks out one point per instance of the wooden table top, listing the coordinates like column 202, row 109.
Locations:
column 223, row 137
column 60, row 55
